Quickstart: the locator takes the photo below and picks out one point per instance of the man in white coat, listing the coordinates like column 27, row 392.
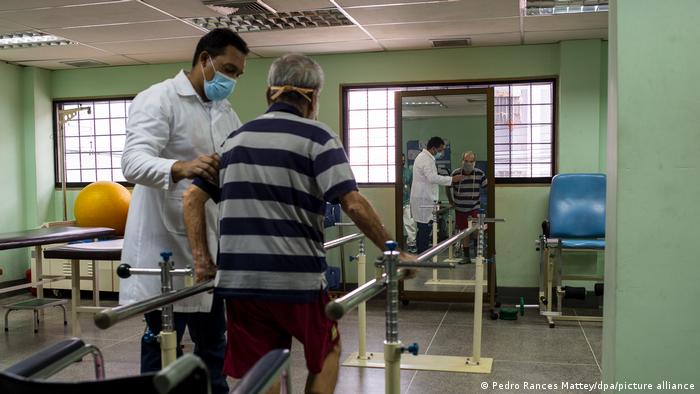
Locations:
column 425, row 189
column 174, row 130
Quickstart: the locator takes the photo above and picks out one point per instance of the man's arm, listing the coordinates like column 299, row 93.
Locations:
column 429, row 170
column 148, row 132
column 448, row 192
column 194, row 199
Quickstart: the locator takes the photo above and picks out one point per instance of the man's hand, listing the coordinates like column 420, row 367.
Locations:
column 458, row 178
column 204, row 270
column 408, row 257
column 205, row 166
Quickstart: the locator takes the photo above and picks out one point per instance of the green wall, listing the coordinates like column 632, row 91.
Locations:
column 653, row 282
column 524, row 206
column 463, row 133
column 12, row 204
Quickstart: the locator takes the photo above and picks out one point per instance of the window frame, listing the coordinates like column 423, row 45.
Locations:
column 345, row 87
column 56, row 148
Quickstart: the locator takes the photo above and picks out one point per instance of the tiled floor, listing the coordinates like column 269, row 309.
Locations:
column 526, row 350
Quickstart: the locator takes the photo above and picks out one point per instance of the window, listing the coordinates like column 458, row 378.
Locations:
column 94, row 141
column 523, row 126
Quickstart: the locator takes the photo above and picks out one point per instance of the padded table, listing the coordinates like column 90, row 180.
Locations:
column 96, row 251
column 37, row 238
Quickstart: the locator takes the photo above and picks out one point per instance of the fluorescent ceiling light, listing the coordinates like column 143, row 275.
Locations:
column 423, row 102
column 30, row 40
column 557, row 7
column 279, row 21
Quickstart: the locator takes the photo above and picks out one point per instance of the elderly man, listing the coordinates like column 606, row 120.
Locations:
column 465, row 195
column 173, row 131
column 424, row 189
column 277, row 173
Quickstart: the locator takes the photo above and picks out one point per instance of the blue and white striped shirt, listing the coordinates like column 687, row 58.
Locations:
column 277, row 172
column 466, row 194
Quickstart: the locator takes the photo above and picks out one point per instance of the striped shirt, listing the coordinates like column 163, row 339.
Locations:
column 466, row 193
column 277, row 173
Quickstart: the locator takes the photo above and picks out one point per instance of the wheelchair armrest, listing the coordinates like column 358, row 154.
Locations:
column 188, row 371
column 263, row 373
column 545, row 228
column 45, row 358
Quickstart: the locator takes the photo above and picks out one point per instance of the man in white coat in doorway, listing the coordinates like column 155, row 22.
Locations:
column 174, row 130
column 425, row 189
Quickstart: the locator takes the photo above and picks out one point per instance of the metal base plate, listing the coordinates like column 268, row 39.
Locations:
column 453, row 282
column 423, row 362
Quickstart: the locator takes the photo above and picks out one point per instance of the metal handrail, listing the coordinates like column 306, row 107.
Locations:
column 428, row 254
column 337, row 308
column 111, row 316
column 342, row 240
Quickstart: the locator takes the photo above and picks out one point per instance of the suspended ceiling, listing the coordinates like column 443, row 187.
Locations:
column 126, row 32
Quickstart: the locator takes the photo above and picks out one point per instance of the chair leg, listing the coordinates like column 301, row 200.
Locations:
column 7, row 327
column 35, row 322
column 63, row 308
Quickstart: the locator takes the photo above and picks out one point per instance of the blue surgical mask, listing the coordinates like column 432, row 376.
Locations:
column 219, row 87
column 439, row 155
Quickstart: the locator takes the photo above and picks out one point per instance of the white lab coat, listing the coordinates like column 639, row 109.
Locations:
column 424, row 189
column 167, row 122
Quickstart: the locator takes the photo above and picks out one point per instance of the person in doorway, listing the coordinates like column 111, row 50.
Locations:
column 465, row 196
column 425, row 191
column 409, row 225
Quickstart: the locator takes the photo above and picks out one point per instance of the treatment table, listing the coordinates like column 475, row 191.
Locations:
column 95, row 251
column 37, row 238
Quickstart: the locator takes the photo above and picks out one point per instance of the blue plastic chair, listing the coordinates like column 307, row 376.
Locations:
column 576, row 222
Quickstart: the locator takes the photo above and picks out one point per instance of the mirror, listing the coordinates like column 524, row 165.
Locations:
column 463, row 119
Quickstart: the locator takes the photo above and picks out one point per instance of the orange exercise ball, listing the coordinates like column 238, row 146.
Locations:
column 102, row 204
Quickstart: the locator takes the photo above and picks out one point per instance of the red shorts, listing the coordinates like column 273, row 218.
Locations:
column 462, row 218
column 256, row 327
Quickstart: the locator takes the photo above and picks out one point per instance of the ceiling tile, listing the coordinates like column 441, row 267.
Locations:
column 164, row 57
column 50, row 53
column 298, row 5
column 170, row 57
column 364, row 3
column 304, row 36
column 6, row 5
column 10, row 27
column 183, row 9
column 57, row 65
column 542, row 37
column 452, row 11
column 589, row 21
column 98, row 14
column 309, row 49
column 128, row 32
column 444, row 29
column 477, row 41
column 184, row 44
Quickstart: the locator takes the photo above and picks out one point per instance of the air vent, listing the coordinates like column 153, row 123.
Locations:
column 84, row 63
column 239, row 7
column 456, row 42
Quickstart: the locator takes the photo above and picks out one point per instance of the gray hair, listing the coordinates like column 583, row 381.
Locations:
column 297, row 70
column 469, row 153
